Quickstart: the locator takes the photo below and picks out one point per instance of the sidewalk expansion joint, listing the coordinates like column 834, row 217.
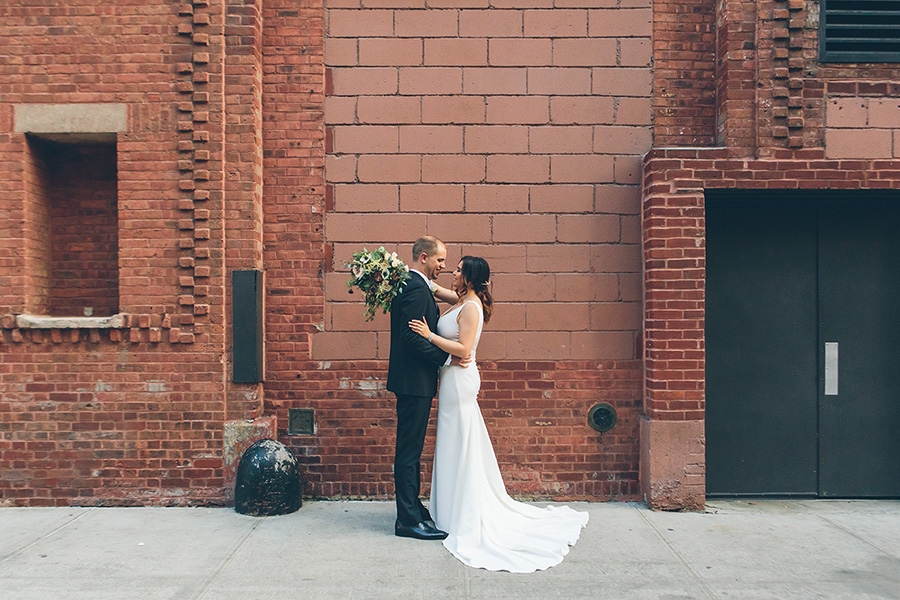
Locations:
column 687, row 566
column 16, row 553
column 225, row 560
column 856, row 536
column 467, row 582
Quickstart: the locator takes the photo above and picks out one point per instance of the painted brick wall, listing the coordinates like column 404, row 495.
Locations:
column 863, row 126
column 511, row 131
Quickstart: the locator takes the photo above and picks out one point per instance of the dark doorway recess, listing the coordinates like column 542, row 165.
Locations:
column 799, row 283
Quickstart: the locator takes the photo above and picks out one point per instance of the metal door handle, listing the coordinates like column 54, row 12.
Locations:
column 831, row 368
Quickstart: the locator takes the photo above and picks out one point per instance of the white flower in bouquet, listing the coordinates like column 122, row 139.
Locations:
column 379, row 275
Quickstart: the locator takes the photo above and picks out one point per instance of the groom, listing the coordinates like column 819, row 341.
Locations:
column 412, row 376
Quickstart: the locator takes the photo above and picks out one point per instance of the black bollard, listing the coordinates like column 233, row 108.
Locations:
column 268, row 481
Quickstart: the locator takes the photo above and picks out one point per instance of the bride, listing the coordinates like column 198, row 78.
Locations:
column 486, row 527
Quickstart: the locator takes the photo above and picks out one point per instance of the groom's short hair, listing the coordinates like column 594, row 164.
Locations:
column 427, row 244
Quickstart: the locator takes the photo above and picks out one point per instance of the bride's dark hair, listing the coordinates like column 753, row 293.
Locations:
column 477, row 273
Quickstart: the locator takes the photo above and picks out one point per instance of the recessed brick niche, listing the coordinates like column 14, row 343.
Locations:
column 72, row 229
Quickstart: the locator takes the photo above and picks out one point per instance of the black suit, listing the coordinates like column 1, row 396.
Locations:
column 412, row 376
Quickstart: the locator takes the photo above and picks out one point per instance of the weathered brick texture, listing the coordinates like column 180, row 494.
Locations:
column 243, row 182
column 771, row 93
column 84, row 426
column 687, row 85
column 770, row 89
column 674, row 280
column 781, row 120
column 131, row 413
column 535, row 411
column 83, row 234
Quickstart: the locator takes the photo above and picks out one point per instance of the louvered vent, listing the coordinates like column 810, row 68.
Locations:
column 860, row 30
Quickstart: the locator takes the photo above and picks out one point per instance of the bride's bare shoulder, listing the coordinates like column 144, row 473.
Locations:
column 470, row 308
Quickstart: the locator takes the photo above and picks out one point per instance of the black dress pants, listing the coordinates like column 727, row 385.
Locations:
column 412, row 421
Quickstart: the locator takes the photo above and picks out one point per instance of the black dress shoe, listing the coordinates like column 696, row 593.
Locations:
column 419, row 531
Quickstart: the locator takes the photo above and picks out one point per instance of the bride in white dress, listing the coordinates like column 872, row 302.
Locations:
column 486, row 527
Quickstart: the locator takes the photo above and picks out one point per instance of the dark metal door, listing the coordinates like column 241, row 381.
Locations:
column 760, row 348
column 786, row 275
column 859, row 296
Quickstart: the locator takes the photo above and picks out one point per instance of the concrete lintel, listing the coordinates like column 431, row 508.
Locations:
column 71, row 118
column 42, row 322
column 78, row 138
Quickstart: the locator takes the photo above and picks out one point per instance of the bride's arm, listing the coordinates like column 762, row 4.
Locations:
column 443, row 294
column 468, row 328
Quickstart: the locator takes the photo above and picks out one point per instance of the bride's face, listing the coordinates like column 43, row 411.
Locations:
column 459, row 282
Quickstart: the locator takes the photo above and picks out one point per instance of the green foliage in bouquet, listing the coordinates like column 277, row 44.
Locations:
column 379, row 275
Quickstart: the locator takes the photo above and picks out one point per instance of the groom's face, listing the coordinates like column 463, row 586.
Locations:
column 434, row 264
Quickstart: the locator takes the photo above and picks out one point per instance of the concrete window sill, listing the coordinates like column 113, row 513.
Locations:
column 42, row 322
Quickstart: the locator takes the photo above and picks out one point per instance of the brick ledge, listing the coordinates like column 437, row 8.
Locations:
column 135, row 328
column 44, row 322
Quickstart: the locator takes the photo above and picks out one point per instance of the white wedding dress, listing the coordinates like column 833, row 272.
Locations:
column 486, row 527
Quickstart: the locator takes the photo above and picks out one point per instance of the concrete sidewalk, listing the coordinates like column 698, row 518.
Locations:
column 338, row 550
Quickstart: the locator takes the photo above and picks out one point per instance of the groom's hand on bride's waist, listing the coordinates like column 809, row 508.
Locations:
column 461, row 362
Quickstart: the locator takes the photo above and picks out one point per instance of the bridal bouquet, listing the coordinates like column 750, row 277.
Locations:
column 379, row 275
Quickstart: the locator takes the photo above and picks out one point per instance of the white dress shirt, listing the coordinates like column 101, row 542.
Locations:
column 429, row 282
column 423, row 276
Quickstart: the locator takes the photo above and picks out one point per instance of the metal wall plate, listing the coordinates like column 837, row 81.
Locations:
column 602, row 417
column 248, row 352
column 301, row 421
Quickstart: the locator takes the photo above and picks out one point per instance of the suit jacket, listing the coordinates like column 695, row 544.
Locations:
column 414, row 361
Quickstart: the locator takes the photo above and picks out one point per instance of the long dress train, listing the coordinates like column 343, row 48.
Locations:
column 486, row 527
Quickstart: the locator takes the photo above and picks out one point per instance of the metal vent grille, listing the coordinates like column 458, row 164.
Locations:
column 860, row 31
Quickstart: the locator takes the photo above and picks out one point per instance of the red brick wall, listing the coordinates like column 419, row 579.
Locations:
column 673, row 462
column 772, row 93
column 535, row 411
column 243, row 182
column 737, row 76
column 95, row 422
column 782, row 120
column 131, row 414
column 684, row 72
column 771, row 88
column 83, row 230
column 28, row 260
column 514, row 133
